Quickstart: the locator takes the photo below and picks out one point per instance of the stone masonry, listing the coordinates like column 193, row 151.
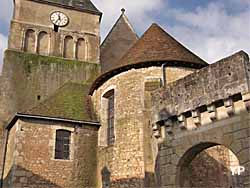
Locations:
column 127, row 165
column 31, row 163
column 182, row 134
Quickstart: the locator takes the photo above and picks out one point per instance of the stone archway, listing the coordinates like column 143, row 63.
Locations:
column 208, row 165
column 177, row 150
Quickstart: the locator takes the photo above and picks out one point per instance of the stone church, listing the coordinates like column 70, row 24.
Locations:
column 132, row 112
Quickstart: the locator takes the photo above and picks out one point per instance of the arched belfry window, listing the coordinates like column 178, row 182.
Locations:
column 110, row 111
column 62, row 146
column 30, row 41
column 68, row 47
column 43, row 43
column 80, row 49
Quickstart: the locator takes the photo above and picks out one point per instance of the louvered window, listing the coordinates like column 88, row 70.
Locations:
column 62, row 149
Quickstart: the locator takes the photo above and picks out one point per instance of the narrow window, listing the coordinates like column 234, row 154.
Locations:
column 62, row 149
column 68, row 47
column 56, row 28
column 110, row 117
column 30, row 40
column 43, row 43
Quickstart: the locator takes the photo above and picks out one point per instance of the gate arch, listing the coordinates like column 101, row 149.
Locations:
column 208, row 165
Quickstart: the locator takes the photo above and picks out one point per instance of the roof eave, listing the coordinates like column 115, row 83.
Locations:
column 38, row 117
column 105, row 76
column 70, row 7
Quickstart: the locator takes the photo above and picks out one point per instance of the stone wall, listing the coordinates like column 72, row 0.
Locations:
column 177, row 152
column 86, row 24
column 207, row 108
column 218, row 81
column 211, row 168
column 28, row 79
column 30, row 156
column 129, row 160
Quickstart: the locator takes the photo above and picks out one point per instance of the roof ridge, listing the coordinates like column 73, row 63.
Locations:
column 123, row 15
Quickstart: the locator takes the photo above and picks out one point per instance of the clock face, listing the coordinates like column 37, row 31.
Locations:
column 58, row 18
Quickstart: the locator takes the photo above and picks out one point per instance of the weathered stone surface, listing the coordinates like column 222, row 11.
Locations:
column 33, row 141
column 131, row 162
column 81, row 25
column 215, row 82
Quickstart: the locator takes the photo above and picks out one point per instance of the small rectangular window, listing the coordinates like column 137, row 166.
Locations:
column 62, row 147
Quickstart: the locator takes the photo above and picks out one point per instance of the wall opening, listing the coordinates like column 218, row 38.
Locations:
column 109, row 108
column 209, row 167
column 62, row 147
column 38, row 97
column 68, row 47
column 30, row 41
column 43, row 43
column 56, row 28
column 80, row 49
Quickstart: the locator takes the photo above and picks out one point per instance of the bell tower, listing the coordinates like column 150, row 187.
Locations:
column 68, row 29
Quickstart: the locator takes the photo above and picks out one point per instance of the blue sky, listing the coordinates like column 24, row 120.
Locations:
column 212, row 29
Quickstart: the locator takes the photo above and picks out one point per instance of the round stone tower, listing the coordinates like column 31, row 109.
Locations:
column 121, row 98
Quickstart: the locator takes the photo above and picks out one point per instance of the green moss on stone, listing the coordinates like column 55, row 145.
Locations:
column 31, row 61
column 70, row 101
column 30, row 75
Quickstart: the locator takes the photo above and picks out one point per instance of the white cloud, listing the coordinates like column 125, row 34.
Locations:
column 212, row 32
column 3, row 46
column 6, row 10
column 138, row 12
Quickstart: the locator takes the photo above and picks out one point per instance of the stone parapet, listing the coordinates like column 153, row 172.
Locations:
column 201, row 116
column 217, row 81
column 213, row 93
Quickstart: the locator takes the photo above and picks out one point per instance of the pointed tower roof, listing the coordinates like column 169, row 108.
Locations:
column 154, row 48
column 120, row 38
column 157, row 45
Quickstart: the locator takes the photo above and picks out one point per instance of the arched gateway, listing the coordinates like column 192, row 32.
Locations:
column 203, row 136
column 208, row 165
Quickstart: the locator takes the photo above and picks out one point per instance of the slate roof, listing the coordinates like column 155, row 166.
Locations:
column 71, row 101
column 82, row 5
column 154, row 48
column 120, row 38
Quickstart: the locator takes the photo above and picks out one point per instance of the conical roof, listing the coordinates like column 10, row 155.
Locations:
column 157, row 45
column 120, row 38
column 154, row 48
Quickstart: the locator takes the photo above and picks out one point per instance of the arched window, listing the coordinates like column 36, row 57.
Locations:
column 62, row 147
column 80, row 49
column 43, row 43
column 30, row 40
column 68, row 47
column 109, row 96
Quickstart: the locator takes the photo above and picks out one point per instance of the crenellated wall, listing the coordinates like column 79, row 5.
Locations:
column 194, row 117
column 205, row 90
